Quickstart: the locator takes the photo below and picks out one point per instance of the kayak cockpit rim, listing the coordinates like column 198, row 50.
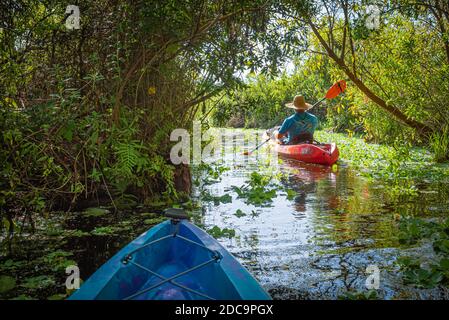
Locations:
column 176, row 217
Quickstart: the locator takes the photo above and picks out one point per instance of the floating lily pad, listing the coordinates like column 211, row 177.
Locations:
column 126, row 203
column 23, row 297
column 226, row 198
column 57, row 255
column 154, row 220
column 7, row 283
column 76, row 233
column 291, row 194
column 58, row 261
column 157, row 202
column 216, row 232
column 12, row 265
column 95, row 212
column 103, row 231
column 58, row 296
column 239, row 213
column 54, row 231
column 150, row 215
column 38, row 282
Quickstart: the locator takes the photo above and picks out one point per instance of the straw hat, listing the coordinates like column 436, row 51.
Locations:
column 299, row 103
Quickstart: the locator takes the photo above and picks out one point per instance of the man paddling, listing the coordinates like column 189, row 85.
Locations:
column 299, row 127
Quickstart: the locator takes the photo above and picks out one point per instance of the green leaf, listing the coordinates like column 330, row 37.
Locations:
column 226, row 198
column 23, row 297
column 239, row 213
column 38, row 282
column 12, row 265
column 95, row 212
column 436, row 278
column 444, row 264
column 103, row 231
column 76, row 233
column 67, row 131
column 291, row 194
column 153, row 221
column 216, row 232
column 58, row 296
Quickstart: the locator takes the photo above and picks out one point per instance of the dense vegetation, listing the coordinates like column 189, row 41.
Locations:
column 398, row 72
column 87, row 113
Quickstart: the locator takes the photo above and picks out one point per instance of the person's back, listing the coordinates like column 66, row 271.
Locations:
column 299, row 127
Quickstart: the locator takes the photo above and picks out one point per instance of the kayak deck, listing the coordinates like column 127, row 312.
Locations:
column 320, row 153
column 172, row 261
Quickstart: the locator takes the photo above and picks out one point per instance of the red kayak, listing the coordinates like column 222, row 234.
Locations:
column 323, row 153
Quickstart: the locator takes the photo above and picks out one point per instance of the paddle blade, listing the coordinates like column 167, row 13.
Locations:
column 336, row 89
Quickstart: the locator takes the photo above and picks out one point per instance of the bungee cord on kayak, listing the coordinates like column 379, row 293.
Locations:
column 157, row 282
column 165, row 280
column 200, row 294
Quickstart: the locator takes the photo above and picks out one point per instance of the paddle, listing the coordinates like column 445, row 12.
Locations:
column 337, row 88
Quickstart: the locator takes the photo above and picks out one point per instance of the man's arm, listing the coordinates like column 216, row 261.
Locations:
column 279, row 135
column 283, row 130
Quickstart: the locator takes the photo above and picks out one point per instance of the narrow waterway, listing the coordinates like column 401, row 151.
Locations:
column 323, row 234
column 319, row 243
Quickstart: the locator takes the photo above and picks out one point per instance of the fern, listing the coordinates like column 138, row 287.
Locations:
column 133, row 166
column 130, row 158
column 166, row 172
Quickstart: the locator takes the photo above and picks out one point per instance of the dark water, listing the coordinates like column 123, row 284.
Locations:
column 316, row 245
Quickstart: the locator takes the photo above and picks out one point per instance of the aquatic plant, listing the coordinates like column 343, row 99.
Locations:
column 216, row 232
column 153, row 221
column 400, row 165
column 239, row 213
column 423, row 272
column 258, row 190
column 206, row 174
column 359, row 295
column 103, row 231
column 38, row 282
column 439, row 144
column 95, row 212
column 7, row 283
column 206, row 196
